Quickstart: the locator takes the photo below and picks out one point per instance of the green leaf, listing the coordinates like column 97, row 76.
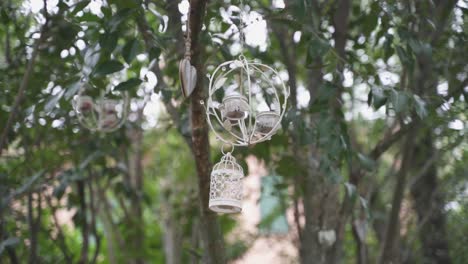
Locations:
column 89, row 159
column 350, row 189
column 317, row 48
column 127, row 85
column 405, row 58
column 369, row 23
column 399, row 101
column 72, row 89
column 388, row 49
column 118, row 18
column 107, row 11
column 377, row 97
column 366, row 162
column 4, row 16
column 23, row 189
column 9, row 242
column 288, row 166
column 108, row 67
column 79, row 6
column 420, row 106
column 130, row 50
column 365, row 206
column 154, row 53
column 166, row 95
column 108, row 41
column 52, row 101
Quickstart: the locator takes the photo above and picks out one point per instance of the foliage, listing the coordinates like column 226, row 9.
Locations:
column 132, row 196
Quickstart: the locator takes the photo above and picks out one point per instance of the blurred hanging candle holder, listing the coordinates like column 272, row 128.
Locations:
column 246, row 103
column 106, row 112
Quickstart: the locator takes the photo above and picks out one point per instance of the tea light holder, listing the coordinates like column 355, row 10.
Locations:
column 101, row 114
column 234, row 107
column 266, row 122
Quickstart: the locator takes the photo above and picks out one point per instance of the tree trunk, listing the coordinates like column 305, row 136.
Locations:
column 33, row 227
column 428, row 201
column 389, row 251
column 84, row 223
column 211, row 236
column 429, row 206
column 172, row 234
column 135, row 166
column 210, row 233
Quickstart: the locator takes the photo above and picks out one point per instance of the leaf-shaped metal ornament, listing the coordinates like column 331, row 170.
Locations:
column 219, row 83
column 227, row 125
column 188, row 77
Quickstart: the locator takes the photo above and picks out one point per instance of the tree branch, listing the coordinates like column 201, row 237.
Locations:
column 24, row 83
column 84, row 223
column 62, row 244
column 93, row 209
column 146, row 32
column 388, row 254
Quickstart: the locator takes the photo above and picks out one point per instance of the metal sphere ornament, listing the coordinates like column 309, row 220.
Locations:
column 105, row 112
column 226, row 185
column 246, row 102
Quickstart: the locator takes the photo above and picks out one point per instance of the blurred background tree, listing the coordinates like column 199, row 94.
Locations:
column 371, row 159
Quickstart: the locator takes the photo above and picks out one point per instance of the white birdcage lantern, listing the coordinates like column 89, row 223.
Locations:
column 105, row 112
column 226, row 185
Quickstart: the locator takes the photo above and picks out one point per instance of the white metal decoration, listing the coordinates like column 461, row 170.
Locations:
column 106, row 113
column 187, row 73
column 226, row 185
column 246, row 103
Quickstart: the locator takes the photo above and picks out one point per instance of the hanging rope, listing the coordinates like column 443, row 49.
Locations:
column 241, row 27
column 188, row 37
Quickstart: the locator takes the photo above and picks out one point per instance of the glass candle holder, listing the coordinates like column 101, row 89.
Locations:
column 108, row 106
column 266, row 122
column 85, row 104
column 235, row 107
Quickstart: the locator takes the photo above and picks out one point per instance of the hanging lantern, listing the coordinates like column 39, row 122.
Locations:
column 246, row 102
column 106, row 112
column 226, row 186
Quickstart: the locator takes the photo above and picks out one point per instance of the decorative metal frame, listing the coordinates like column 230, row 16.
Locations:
column 238, row 117
column 249, row 132
column 101, row 111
